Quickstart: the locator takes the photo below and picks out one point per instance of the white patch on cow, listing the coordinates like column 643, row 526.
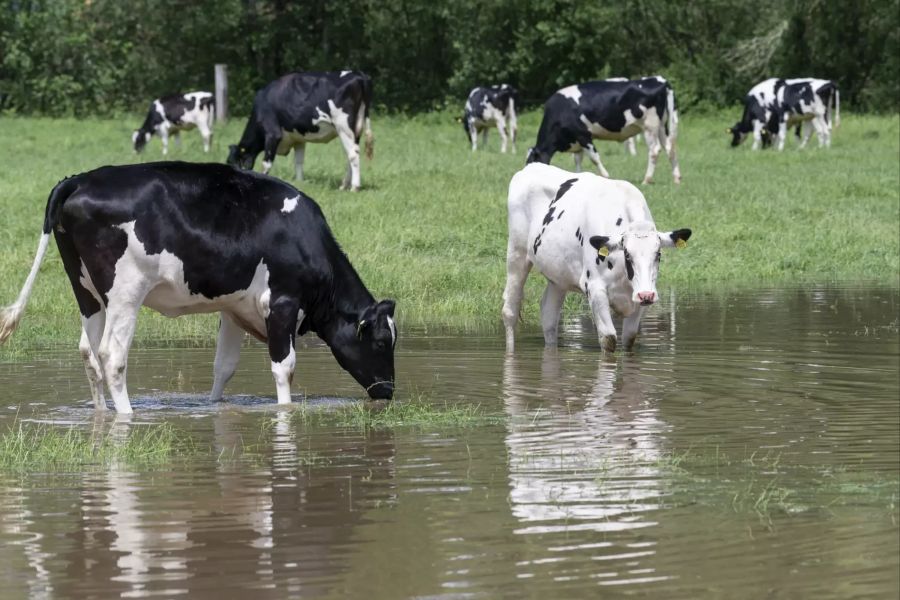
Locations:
column 632, row 127
column 290, row 204
column 283, row 372
column 393, row 329
column 267, row 165
column 85, row 280
column 345, row 73
column 571, row 92
column 171, row 295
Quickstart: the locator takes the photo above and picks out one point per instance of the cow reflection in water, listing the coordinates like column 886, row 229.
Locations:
column 583, row 451
column 259, row 525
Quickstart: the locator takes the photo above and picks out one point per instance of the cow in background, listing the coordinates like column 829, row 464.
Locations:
column 170, row 115
column 609, row 110
column 312, row 107
column 487, row 107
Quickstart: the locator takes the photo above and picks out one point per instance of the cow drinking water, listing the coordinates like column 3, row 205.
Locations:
column 170, row 115
column 186, row 238
column 585, row 234
column 302, row 108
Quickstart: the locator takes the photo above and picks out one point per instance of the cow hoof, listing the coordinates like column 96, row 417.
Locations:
column 647, row 181
column 608, row 343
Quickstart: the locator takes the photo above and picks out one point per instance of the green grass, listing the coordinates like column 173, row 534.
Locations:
column 416, row 412
column 429, row 227
column 38, row 447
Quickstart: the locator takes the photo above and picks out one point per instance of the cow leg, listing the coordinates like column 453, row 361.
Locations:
column 630, row 146
column 517, row 268
column 668, row 145
column 654, row 147
column 177, row 137
column 501, row 131
column 228, row 351
column 164, row 138
column 578, row 156
column 118, row 331
column 348, row 140
column 473, row 135
column 631, row 325
column 782, row 134
column 89, row 347
column 299, row 155
column 806, row 130
column 512, row 131
column 206, row 134
column 595, row 158
column 606, row 331
column 822, row 133
column 281, row 327
column 484, row 134
column 269, row 152
column 551, row 306
column 757, row 135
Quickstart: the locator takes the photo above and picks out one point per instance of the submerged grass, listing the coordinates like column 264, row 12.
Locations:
column 429, row 227
column 417, row 412
column 40, row 447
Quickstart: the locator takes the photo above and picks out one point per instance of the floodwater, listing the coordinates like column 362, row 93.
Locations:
column 750, row 448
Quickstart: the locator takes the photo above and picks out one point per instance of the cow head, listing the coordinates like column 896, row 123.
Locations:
column 364, row 347
column 535, row 155
column 240, row 157
column 738, row 133
column 139, row 139
column 641, row 245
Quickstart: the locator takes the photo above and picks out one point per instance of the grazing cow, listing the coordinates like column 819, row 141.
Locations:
column 170, row 115
column 760, row 114
column 609, row 110
column 773, row 106
column 809, row 104
column 186, row 238
column 487, row 107
column 585, row 234
column 629, row 144
column 308, row 107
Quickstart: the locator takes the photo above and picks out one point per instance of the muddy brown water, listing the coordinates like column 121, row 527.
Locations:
column 749, row 449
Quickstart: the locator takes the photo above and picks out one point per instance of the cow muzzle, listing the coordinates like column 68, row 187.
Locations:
column 382, row 390
column 646, row 298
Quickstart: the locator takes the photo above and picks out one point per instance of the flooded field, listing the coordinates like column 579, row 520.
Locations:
column 750, row 448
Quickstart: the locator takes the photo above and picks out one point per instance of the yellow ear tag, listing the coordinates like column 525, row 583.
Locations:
column 603, row 251
column 680, row 243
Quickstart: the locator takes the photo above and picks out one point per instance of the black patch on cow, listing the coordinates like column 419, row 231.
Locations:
column 559, row 216
column 619, row 221
column 563, row 188
column 609, row 263
column 587, row 273
column 680, row 234
column 548, row 218
column 629, row 268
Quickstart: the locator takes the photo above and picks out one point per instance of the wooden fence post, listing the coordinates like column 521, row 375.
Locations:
column 221, row 93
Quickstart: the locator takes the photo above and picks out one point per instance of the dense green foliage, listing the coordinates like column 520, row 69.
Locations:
column 64, row 57
column 429, row 226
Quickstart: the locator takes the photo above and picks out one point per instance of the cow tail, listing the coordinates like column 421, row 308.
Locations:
column 837, row 107
column 11, row 315
column 673, row 114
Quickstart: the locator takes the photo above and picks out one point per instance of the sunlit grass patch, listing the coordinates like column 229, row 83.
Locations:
column 41, row 447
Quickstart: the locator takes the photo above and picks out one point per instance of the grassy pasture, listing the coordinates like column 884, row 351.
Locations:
column 429, row 227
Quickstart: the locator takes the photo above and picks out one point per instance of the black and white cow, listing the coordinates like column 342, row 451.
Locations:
column 301, row 108
column 585, row 234
column 170, row 115
column 487, row 107
column 629, row 144
column 775, row 105
column 186, row 238
column 609, row 110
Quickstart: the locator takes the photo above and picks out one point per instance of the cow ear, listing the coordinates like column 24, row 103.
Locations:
column 677, row 238
column 603, row 244
column 387, row 307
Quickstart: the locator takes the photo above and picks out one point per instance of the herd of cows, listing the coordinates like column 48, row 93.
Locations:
column 184, row 238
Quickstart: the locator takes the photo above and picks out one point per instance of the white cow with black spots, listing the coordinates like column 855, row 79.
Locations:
column 585, row 234
column 170, row 115
column 492, row 106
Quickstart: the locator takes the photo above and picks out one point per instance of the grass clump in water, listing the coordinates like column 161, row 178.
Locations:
column 41, row 447
column 415, row 412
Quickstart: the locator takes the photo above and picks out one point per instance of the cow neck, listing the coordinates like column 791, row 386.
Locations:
column 343, row 302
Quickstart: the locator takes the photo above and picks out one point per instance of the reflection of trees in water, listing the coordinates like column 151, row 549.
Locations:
column 268, row 521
